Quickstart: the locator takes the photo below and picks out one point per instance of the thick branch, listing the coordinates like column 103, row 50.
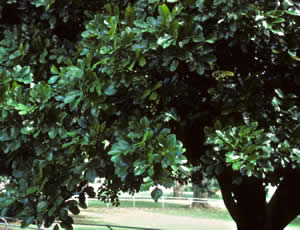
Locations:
column 225, row 182
column 285, row 203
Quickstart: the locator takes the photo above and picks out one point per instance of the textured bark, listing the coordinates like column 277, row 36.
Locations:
column 247, row 205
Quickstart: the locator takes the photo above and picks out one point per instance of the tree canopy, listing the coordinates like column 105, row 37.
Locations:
column 145, row 92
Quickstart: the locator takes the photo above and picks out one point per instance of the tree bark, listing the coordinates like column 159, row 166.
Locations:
column 285, row 203
column 199, row 192
column 178, row 189
column 247, row 205
column 225, row 183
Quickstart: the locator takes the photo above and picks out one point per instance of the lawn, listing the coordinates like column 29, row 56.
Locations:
column 152, row 215
column 170, row 217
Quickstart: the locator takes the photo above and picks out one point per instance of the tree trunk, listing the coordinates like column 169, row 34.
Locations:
column 178, row 189
column 199, row 192
column 198, row 189
column 247, row 204
column 285, row 203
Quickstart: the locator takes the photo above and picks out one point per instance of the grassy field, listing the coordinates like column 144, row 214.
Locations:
column 170, row 208
column 152, row 215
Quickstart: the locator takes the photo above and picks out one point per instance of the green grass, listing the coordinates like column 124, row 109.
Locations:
column 176, row 210
column 98, row 213
column 295, row 222
column 170, row 209
column 211, row 213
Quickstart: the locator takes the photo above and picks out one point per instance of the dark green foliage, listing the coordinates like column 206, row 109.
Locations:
column 156, row 194
column 130, row 91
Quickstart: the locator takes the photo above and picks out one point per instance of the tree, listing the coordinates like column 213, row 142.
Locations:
column 178, row 189
column 137, row 92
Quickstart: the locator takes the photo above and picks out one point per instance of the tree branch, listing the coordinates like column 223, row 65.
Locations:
column 285, row 203
column 225, row 182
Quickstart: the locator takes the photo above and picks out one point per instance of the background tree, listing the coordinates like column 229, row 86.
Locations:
column 178, row 189
column 108, row 88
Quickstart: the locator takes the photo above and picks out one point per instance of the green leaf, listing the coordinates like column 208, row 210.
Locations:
column 31, row 190
column 23, row 108
column 146, row 93
column 145, row 122
column 279, row 32
column 91, row 175
column 110, row 91
column 279, row 20
column 23, row 74
column 244, row 131
column 251, row 148
column 75, row 210
column 276, row 103
column 73, row 73
column 219, row 74
column 211, row 39
column 254, row 157
column 67, row 226
column 68, row 144
column 174, row 65
column 70, row 96
column 237, row 165
column 15, row 54
column 29, row 220
column 41, row 93
column 279, row 93
column 83, row 205
column 293, row 12
column 254, row 125
column 156, row 194
column 184, row 42
column 42, row 206
column 27, row 130
column 139, row 170
column 121, row 147
column 39, row 3
column 52, row 80
column 108, row 8
column 232, row 157
column 164, row 11
column 219, row 2
column 153, row 96
column 54, row 70
column 52, row 133
column 171, row 141
column 165, row 41
column 6, row 202
column 116, row 10
column 142, row 61
column 150, row 171
column 129, row 15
